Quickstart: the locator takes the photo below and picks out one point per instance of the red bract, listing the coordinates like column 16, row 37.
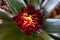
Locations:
column 30, row 20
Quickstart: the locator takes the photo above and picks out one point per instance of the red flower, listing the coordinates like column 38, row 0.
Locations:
column 30, row 20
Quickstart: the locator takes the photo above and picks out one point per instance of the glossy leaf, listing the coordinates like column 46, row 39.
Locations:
column 50, row 6
column 52, row 25
column 5, row 15
column 44, row 3
column 16, row 5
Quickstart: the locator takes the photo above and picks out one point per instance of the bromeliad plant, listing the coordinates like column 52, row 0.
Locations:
column 29, row 17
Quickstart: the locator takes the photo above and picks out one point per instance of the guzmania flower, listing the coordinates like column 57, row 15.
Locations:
column 29, row 20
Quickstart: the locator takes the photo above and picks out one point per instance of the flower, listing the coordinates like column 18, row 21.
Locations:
column 30, row 20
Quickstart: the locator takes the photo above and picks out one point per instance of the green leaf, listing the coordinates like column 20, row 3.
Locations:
column 5, row 26
column 50, row 6
column 46, row 36
column 5, row 15
column 43, row 36
column 56, row 35
column 52, row 26
column 44, row 3
column 15, row 34
column 36, row 4
column 16, row 5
